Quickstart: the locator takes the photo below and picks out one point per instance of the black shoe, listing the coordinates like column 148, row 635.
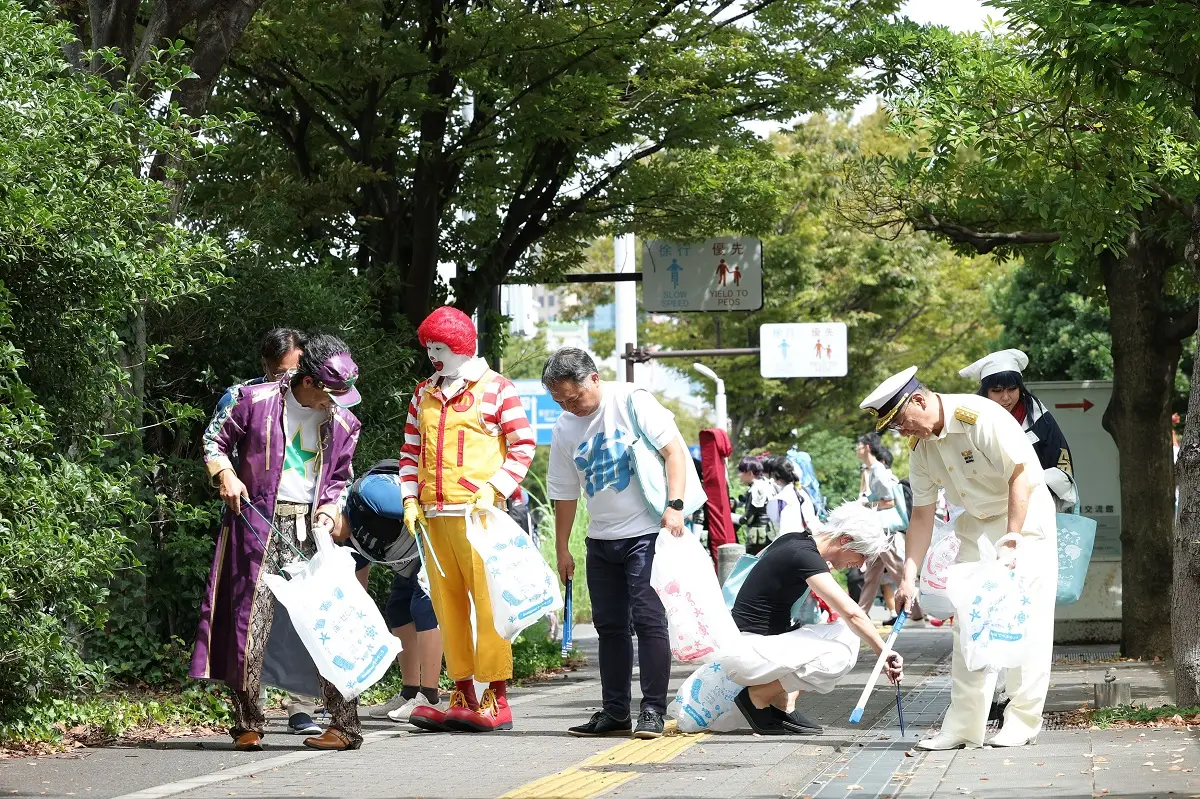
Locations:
column 796, row 722
column 650, row 725
column 891, row 622
column 762, row 721
column 602, row 725
column 997, row 711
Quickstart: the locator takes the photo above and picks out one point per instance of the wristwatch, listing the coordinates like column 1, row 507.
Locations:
column 675, row 504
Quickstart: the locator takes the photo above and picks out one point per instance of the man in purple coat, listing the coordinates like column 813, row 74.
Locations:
column 295, row 440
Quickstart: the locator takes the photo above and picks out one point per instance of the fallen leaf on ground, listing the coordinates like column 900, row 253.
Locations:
column 1148, row 763
column 854, row 787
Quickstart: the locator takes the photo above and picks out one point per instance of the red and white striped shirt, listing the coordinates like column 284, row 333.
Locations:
column 502, row 414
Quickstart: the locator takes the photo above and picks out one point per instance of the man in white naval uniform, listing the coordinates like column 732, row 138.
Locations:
column 977, row 452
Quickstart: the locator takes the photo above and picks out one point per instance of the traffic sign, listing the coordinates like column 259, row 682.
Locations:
column 803, row 349
column 541, row 410
column 722, row 274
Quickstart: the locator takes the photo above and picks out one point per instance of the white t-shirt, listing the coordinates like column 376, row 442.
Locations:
column 301, row 449
column 589, row 454
column 792, row 510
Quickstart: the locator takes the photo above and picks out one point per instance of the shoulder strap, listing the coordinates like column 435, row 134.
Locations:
column 629, row 406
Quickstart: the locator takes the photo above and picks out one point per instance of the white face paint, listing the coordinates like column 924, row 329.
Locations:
column 446, row 363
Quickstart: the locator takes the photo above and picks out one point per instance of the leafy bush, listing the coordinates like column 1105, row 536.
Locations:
column 87, row 244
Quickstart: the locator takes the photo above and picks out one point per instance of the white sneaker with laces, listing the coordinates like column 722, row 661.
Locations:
column 943, row 741
column 401, row 714
column 381, row 711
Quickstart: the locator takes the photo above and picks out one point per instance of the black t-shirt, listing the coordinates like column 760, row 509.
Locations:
column 764, row 603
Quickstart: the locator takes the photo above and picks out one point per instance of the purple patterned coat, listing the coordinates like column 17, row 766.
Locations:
column 253, row 425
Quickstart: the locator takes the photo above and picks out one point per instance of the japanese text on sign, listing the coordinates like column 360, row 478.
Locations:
column 722, row 274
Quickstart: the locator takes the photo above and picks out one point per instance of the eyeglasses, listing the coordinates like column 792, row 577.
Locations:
column 896, row 421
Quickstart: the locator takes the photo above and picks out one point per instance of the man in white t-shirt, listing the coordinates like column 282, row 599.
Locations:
column 589, row 454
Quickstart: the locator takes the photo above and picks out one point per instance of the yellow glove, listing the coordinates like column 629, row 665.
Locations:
column 486, row 495
column 413, row 515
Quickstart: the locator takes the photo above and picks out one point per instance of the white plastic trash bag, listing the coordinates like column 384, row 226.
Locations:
column 706, row 702
column 698, row 623
column 521, row 585
column 336, row 619
column 993, row 607
column 942, row 553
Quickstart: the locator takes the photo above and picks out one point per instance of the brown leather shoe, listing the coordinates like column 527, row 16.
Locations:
column 332, row 739
column 248, row 742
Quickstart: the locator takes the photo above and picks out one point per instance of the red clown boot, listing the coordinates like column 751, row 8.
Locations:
column 462, row 698
column 492, row 714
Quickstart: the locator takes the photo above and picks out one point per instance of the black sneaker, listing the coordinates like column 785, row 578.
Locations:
column 650, row 725
column 796, row 722
column 996, row 712
column 602, row 725
column 762, row 720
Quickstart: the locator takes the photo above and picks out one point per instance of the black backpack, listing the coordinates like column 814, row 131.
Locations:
column 376, row 535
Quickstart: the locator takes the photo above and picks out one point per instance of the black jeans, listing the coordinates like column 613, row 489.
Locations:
column 618, row 576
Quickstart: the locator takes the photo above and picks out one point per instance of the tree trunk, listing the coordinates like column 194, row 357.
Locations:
column 1138, row 418
column 1185, row 594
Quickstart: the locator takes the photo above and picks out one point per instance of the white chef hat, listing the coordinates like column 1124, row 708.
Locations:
column 994, row 363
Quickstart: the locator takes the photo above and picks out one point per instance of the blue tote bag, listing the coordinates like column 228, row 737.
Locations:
column 650, row 470
column 803, row 611
column 1076, row 537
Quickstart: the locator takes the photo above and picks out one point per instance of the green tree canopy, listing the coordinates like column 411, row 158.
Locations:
column 504, row 138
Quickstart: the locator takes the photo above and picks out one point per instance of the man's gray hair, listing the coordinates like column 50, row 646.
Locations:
column 568, row 363
column 862, row 526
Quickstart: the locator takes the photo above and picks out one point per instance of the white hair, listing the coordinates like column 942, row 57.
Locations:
column 862, row 526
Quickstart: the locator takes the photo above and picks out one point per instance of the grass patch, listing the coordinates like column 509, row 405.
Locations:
column 1134, row 715
column 197, row 708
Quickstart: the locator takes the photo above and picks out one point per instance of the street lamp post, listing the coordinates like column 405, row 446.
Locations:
column 721, row 407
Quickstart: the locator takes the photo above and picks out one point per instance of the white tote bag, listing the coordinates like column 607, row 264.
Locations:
column 706, row 702
column 995, row 613
column 698, row 623
column 336, row 619
column 942, row 554
column 521, row 585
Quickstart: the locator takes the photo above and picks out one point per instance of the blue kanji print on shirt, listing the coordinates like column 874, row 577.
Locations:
column 604, row 463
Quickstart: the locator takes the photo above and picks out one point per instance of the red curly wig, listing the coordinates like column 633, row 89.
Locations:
column 449, row 326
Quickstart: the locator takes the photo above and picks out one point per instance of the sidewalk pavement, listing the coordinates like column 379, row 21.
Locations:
column 538, row 761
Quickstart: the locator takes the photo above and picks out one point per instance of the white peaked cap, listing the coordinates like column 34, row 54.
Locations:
column 891, row 394
column 995, row 362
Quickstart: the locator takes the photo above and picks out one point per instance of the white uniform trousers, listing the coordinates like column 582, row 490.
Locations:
column 971, row 691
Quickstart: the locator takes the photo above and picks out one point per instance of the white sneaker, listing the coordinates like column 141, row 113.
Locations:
column 400, row 715
column 1014, row 738
column 381, row 711
column 943, row 741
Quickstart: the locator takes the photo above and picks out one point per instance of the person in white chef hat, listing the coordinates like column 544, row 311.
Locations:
column 999, row 376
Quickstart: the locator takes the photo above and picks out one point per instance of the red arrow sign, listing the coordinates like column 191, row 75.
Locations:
column 1087, row 406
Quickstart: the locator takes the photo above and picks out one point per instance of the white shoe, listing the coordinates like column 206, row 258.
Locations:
column 401, row 714
column 943, row 741
column 381, row 711
column 1006, row 738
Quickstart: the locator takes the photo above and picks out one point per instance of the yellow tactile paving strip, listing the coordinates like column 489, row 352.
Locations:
column 586, row 780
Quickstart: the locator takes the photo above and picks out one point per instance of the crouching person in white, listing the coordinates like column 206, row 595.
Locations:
column 777, row 663
column 978, row 452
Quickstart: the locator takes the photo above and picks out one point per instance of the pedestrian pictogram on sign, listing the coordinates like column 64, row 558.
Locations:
column 803, row 349
column 723, row 274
